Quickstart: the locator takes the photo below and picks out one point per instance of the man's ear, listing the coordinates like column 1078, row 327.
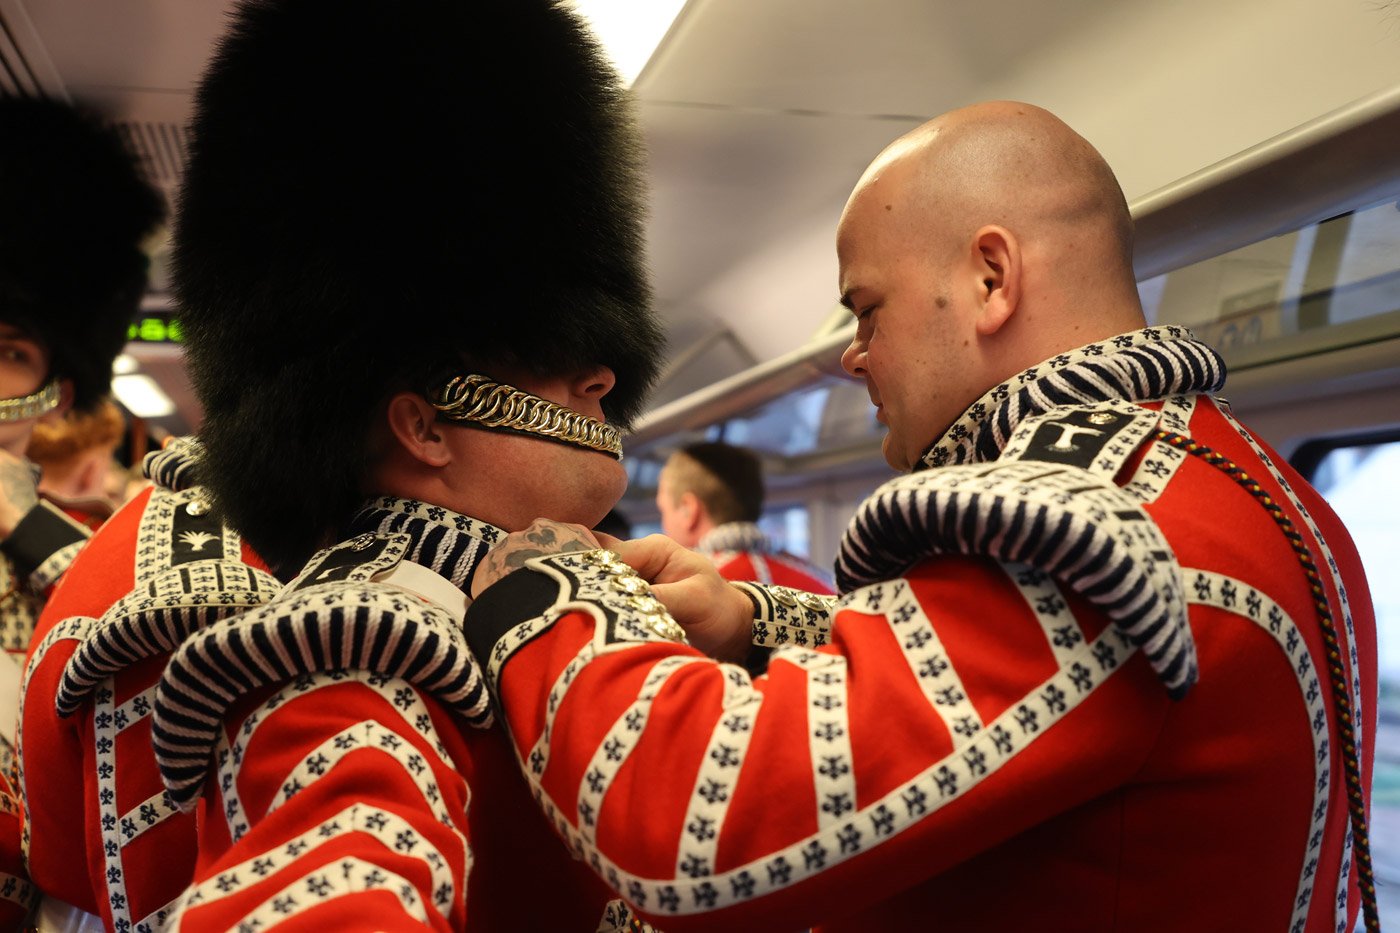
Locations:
column 996, row 254
column 413, row 423
column 691, row 509
column 65, row 402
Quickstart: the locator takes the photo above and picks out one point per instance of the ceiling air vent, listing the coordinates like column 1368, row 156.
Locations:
column 17, row 77
column 161, row 147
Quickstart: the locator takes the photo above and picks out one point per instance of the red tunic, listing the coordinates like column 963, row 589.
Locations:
column 979, row 747
column 102, row 836
column 17, row 894
column 749, row 556
column 362, row 791
column 34, row 556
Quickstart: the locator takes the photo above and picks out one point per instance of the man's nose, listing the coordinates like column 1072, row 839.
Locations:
column 853, row 360
column 595, row 383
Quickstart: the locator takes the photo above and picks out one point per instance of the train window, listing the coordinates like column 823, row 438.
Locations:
column 1329, row 285
column 1357, row 478
column 791, row 425
column 787, row 528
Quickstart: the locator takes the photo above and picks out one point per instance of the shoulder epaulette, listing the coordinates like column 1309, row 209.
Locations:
column 331, row 617
column 176, row 465
column 1064, row 520
column 188, row 574
column 156, row 617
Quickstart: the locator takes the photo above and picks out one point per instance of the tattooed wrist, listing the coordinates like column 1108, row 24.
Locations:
column 18, row 493
column 541, row 539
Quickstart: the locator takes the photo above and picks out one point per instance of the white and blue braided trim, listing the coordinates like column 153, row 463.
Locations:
column 156, row 617
column 1078, row 528
column 340, row 625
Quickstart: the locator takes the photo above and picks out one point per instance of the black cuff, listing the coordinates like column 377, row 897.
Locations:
column 42, row 533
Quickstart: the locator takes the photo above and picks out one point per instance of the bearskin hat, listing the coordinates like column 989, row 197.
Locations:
column 375, row 193
column 73, row 211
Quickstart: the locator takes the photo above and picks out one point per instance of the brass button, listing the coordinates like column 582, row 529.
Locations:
column 1102, row 417
column 666, row 627
column 645, row 604
column 634, row 586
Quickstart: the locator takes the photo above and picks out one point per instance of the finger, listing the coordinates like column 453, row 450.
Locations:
column 648, row 556
column 608, row 541
column 685, row 601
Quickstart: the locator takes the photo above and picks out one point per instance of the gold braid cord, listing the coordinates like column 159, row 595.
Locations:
column 30, row 406
column 474, row 399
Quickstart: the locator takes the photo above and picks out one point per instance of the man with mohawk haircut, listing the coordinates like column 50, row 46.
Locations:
column 410, row 337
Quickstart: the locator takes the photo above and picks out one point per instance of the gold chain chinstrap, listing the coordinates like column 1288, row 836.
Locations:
column 475, row 399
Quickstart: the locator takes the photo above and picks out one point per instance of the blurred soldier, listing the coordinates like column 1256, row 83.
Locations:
column 407, row 342
column 75, row 459
column 710, row 497
column 1098, row 651
column 73, row 213
column 102, row 838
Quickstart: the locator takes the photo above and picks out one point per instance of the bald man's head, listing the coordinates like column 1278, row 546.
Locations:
column 975, row 246
column 1006, row 163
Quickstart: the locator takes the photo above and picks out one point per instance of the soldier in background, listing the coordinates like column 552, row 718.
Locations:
column 710, row 496
column 74, row 212
column 76, row 463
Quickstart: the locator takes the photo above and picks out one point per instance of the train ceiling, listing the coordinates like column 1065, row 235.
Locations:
column 761, row 114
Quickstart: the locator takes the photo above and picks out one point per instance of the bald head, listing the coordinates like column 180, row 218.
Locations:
column 976, row 246
column 1005, row 163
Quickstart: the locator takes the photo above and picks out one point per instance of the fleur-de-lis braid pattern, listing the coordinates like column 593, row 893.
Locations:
column 474, row 399
column 1341, row 698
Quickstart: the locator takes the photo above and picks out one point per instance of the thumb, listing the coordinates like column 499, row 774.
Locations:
column 648, row 556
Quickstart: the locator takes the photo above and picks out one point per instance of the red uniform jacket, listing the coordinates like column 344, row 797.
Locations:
column 991, row 739
column 102, row 835
column 336, row 739
column 34, row 556
column 741, row 551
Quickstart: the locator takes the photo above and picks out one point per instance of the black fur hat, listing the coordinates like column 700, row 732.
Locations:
column 73, row 212
column 377, row 191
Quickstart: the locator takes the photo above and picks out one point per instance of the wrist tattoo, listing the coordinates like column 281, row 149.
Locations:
column 17, row 485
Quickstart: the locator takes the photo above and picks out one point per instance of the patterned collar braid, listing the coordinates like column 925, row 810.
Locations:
column 37, row 403
column 445, row 542
column 477, row 401
column 735, row 536
column 176, row 465
column 1140, row 366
